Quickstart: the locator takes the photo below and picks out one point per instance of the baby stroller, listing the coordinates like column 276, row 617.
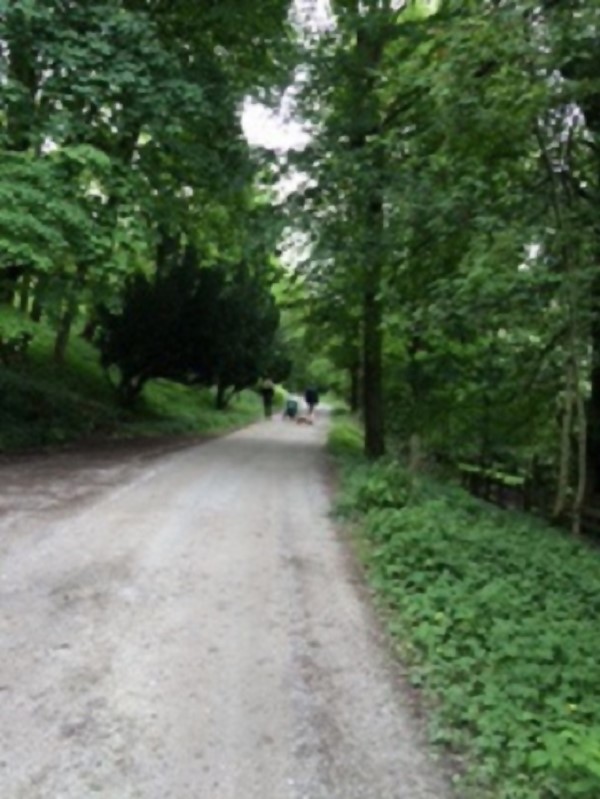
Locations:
column 290, row 409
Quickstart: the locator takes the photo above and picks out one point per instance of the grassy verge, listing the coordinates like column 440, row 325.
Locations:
column 497, row 616
column 45, row 404
column 171, row 408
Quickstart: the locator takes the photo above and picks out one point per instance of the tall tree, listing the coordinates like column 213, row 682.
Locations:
column 153, row 89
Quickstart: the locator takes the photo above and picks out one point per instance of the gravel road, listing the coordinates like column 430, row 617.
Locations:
column 189, row 625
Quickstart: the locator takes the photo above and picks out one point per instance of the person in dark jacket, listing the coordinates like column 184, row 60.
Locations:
column 311, row 397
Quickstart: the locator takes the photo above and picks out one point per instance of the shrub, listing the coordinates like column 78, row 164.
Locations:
column 499, row 616
column 345, row 437
column 35, row 411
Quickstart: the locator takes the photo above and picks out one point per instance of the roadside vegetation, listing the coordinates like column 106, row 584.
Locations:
column 451, row 203
column 43, row 403
column 133, row 232
column 498, row 618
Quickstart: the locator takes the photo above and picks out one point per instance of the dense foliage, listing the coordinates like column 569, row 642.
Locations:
column 449, row 196
column 43, row 403
column 497, row 616
column 208, row 326
column 120, row 137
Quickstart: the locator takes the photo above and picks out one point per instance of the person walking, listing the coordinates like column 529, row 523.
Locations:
column 267, row 391
column 311, row 397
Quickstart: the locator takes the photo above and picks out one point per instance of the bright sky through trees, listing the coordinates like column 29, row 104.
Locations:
column 273, row 129
column 279, row 129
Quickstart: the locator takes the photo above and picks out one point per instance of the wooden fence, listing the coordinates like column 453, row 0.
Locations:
column 518, row 490
column 531, row 492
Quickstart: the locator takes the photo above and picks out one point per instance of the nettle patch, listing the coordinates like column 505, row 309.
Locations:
column 499, row 616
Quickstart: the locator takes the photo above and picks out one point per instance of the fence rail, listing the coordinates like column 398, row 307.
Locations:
column 529, row 492
column 517, row 490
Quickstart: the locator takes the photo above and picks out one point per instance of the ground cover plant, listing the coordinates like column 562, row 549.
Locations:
column 498, row 616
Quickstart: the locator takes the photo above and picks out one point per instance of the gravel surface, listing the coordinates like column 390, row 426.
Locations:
column 188, row 625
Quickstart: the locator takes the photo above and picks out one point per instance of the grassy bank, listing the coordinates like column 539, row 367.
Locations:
column 497, row 616
column 46, row 404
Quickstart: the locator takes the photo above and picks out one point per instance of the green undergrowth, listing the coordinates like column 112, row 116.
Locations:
column 498, row 618
column 172, row 408
column 46, row 404
column 345, row 437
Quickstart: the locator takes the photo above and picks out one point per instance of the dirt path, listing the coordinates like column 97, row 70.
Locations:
column 188, row 627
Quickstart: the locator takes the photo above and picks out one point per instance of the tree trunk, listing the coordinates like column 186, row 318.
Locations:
column 24, row 293
column 129, row 389
column 369, row 47
column 21, row 112
column 62, row 334
column 593, row 415
column 36, row 310
column 582, row 441
column 221, row 397
column 89, row 330
column 372, row 366
column 564, row 469
column 9, row 278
